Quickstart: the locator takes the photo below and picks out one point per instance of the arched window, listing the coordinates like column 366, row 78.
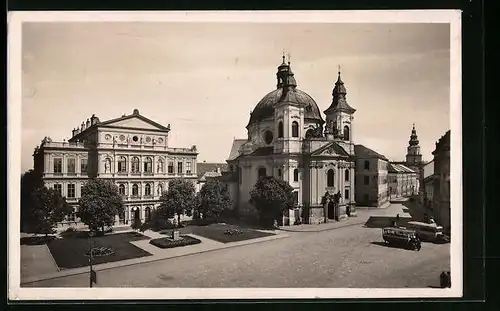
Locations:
column 330, row 178
column 159, row 168
column 346, row 175
column 135, row 190
column 280, row 129
column 346, row 132
column 367, row 165
column 262, row 172
column 121, row 189
column 295, row 129
column 122, row 165
column 295, row 175
column 148, row 165
column 135, row 165
column 147, row 189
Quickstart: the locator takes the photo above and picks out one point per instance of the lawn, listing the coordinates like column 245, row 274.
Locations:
column 69, row 251
column 216, row 232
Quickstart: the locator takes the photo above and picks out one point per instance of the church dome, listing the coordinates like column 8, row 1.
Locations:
column 265, row 108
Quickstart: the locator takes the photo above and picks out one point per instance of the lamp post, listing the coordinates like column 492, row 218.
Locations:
column 91, row 278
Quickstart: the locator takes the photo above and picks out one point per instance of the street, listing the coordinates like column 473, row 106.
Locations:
column 347, row 257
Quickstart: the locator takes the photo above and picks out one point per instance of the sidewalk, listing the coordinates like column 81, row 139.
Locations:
column 363, row 214
column 157, row 254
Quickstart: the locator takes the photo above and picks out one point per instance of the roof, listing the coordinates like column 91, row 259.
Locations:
column 399, row 168
column 364, row 152
column 339, row 101
column 202, row 168
column 208, row 175
column 137, row 115
column 263, row 151
column 286, row 91
column 265, row 107
column 237, row 143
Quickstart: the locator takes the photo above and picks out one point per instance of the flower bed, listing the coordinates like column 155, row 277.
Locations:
column 184, row 240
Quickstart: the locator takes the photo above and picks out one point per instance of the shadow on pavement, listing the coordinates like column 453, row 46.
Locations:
column 414, row 209
column 36, row 240
column 387, row 245
column 385, row 221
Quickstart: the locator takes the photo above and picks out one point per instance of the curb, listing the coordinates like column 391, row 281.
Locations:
column 326, row 229
column 96, row 267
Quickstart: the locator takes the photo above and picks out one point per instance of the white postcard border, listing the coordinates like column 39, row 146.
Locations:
column 15, row 20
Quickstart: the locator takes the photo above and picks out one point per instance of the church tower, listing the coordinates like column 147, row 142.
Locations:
column 288, row 113
column 413, row 156
column 339, row 118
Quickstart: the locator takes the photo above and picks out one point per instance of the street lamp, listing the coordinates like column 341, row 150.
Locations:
column 92, row 277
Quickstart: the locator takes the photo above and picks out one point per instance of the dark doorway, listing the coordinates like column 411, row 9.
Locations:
column 331, row 210
column 137, row 214
column 148, row 214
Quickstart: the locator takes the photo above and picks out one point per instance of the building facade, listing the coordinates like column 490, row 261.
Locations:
column 441, row 190
column 372, row 188
column 289, row 139
column 428, row 185
column 132, row 151
column 403, row 181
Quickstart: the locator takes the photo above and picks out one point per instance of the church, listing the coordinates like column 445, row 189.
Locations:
column 288, row 138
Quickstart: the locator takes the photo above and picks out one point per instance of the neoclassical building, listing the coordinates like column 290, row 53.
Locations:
column 289, row 139
column 131, row 150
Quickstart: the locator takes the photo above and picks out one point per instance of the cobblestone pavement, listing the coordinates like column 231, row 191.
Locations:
column 344, row 257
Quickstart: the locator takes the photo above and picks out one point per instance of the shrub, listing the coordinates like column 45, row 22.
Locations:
column 169, row 243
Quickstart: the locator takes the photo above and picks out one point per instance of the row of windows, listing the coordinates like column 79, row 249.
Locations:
column 330, row 180
column 70, row 165
column 71, row 189
column 135, row 189
column 147, row 166
column 295, row 129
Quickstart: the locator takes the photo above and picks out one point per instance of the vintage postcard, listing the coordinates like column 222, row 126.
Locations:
column 233, row 155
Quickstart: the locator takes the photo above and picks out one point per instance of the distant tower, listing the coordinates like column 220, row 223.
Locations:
column 413, row 156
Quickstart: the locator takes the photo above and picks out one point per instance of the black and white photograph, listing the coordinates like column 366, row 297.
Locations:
column 232, row 155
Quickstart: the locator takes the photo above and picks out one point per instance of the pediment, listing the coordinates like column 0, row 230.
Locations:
column 136, row 122
column 331, row 150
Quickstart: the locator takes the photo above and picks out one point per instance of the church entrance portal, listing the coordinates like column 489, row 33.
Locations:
column 331, row 211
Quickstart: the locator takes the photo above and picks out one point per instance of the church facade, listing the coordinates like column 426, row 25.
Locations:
column 288, row 138
column 132, row 151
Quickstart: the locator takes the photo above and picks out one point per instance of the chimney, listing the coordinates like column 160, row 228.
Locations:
column 83, row 127
column 88, row 123
column 73, row 132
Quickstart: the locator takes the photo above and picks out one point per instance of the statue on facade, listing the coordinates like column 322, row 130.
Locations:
column 159, row 190
column 159, row 168
column 107, row 166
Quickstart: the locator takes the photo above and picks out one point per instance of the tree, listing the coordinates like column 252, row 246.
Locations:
column 99, row 204
column 271, row 197
column 212, row 199
column 178, row 199
column 30, row 182
column 136, row 224
column 47, row 209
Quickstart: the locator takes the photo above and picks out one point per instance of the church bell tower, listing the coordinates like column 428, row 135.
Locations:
column 413, row 156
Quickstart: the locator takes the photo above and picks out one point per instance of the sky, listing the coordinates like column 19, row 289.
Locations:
column 204, row 78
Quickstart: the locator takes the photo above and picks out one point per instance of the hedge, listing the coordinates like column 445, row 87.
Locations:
column 169, row 243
